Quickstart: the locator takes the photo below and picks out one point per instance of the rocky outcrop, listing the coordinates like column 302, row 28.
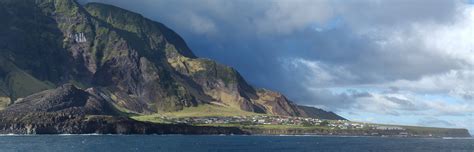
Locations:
column 69, row 110
column 66, row 100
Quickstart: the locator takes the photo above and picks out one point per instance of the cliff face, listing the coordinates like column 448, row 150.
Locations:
column 139, row 65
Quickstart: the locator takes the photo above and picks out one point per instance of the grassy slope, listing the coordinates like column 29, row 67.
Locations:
column 209, row 110
column 4, row 101
column 4, row 98
column 24, row 84
column 20, row 83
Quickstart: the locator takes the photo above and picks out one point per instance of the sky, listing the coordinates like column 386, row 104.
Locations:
column 396, row 62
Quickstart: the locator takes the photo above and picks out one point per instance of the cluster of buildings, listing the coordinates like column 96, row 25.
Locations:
column 272, row 120
column 344, row 124
column 336, row 125
column 281, row 120
column 249, row 120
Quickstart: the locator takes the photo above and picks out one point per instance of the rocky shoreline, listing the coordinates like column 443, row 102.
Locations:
column 110, row 125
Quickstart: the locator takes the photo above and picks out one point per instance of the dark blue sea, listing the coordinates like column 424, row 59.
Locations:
column 177, row 143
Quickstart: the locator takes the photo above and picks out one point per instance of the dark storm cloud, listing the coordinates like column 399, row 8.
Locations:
column 396, row 12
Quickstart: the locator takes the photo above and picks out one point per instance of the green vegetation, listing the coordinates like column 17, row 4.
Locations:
column 117, row 17
column 210, row 110
column 206, row 110
column 145, row 35
column 23, row 84
column 290, row 127
column 105, row 46
column 151, row 118
column 66, row 7
column 18, row 83
column 283, row 127
column 4, row 102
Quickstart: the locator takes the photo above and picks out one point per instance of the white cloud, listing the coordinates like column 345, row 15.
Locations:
column 202, row 25
column 454, row 40
column 318, row 74
column 441, row 108
column 455, row 82
column 285, row 17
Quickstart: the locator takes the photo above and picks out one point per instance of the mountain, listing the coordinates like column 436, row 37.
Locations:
column 139, row 66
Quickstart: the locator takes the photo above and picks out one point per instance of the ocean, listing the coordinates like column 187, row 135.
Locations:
column 181, row 143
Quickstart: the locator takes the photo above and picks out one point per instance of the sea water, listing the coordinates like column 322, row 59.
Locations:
column 181, row 143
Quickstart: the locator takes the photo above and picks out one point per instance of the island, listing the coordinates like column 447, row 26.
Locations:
column 71, row 68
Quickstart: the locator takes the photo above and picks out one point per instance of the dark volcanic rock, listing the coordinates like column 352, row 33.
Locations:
column 69, row 110
column 66, row 99
column 52, row 123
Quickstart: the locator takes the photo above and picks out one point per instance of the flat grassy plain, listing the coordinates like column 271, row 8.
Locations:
column 207, row 110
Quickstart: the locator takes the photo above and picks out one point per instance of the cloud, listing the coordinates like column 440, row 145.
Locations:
column 202, row 25
column 318, row 74
column 431, row 121
column 408, row 59
column 404, row 104
column 365, row 14
column 285, row 17
column 390, row 104
column 443, row 109
column 457, row 83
